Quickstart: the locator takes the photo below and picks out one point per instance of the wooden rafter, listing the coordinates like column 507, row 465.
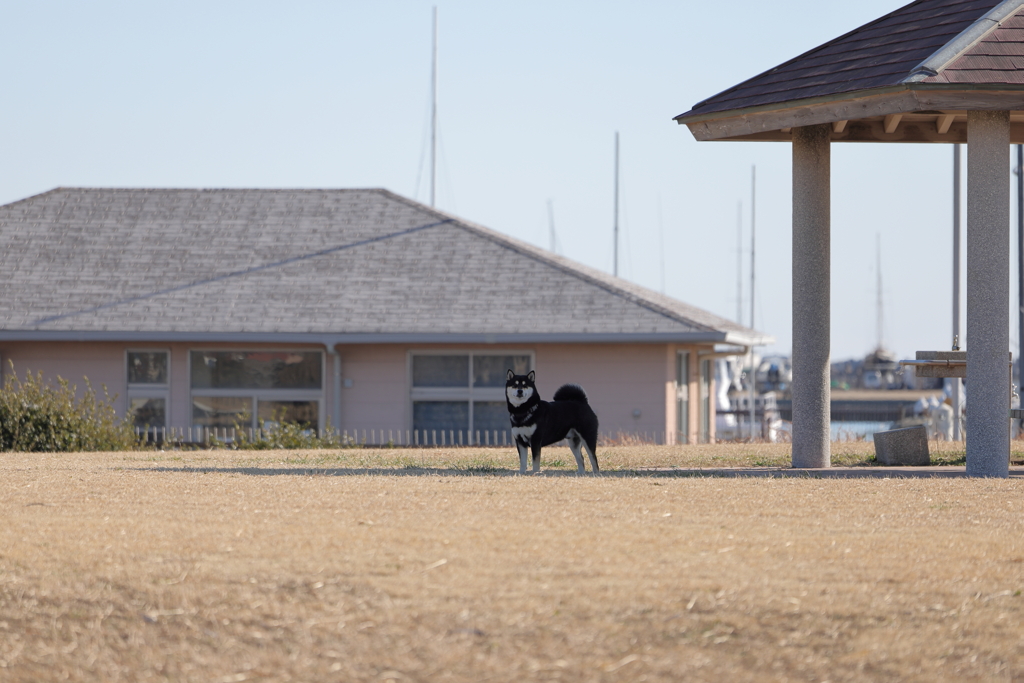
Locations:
column 943, row 122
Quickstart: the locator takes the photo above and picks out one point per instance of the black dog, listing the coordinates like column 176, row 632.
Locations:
column 537, row 423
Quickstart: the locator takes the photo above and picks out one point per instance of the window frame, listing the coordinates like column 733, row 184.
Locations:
column 148, row 390
column 706, row 378
column 468, row 393
column 683, row 396
column 312, row 395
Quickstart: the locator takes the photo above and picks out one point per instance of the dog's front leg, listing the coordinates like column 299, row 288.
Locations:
column 521, row 447
column 536, row 457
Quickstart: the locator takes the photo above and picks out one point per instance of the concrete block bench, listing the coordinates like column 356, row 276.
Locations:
column 908, row 446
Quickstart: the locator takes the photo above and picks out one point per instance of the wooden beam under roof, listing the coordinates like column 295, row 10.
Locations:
column 892, row 122
column 943, row 122
column 909, row 103
column 912, row 129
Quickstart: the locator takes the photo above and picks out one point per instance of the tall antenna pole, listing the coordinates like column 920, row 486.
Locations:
column 433, row 117
column 956, row 285
column 880, row 318
column 551, row 224
column 739, row 263
column 753, row 223
column 615, row 255
column 661, row 244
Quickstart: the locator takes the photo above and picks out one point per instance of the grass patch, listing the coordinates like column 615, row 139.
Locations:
column 219, row 565
column 559, row 458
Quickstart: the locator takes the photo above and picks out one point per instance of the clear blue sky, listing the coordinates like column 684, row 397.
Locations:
column 336, row 94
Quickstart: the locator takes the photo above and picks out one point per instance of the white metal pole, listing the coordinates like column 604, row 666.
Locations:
column 615, row 248
column 433, row 117
column 551, row 225
column 739, row 263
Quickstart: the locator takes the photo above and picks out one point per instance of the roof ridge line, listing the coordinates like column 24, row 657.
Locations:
column 964, row 41
column 580, row 271
column 576, row 269
column 239, row 273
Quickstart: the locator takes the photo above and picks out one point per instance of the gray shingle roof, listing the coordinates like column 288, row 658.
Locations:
column 359, row 264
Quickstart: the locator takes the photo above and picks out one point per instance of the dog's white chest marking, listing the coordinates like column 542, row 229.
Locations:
column 524, row 432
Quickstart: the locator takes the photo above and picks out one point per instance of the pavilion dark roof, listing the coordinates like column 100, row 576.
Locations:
column 883, row 53
column 997, row 58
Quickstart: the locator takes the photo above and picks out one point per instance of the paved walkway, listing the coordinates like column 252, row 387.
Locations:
column 821, row 473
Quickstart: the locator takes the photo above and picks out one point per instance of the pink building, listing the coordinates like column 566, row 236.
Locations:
column 349, row 309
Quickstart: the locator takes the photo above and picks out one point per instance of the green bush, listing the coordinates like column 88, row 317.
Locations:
column 37, row 416
column 282, row 434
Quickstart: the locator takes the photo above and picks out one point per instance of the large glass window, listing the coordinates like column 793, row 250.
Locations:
column 463, row 394
column 440, row 371
column 440, row 415
column 254, row 388
column 256, row 370
column 298, row 412
column 148, row 380
column 148, row 412
column 147, row 367
column 222, row 412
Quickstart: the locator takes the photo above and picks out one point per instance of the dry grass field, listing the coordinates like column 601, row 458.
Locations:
column 407, row 565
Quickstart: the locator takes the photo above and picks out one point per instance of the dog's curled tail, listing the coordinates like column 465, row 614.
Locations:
column 570, row 392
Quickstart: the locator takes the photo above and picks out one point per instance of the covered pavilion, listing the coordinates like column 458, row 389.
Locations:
column 934, row 71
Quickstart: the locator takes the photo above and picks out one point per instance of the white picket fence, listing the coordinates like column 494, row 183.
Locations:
column 365, row 437
column 375, row 437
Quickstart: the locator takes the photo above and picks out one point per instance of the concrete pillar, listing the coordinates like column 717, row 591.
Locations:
column 811, row 291
column 988, row 293
column 332, row 351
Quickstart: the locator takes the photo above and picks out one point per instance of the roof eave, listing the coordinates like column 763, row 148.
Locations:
column 773, row 122
column 333, row 339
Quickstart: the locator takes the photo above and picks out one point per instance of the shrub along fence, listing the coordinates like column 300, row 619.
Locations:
column 38, row 416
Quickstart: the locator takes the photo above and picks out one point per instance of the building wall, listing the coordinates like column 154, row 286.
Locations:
column 375, row 387
column 630, row 386
column 105, row 363
column 102, row 364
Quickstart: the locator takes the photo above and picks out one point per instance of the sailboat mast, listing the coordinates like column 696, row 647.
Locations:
column 551, row 225
column 433, row 117
column 753, row 222
column 615, row 230
column 878, row 304
column 739, row 263
column 661, row 245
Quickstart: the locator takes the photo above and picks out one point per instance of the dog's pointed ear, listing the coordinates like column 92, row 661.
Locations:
column 509, row 376
column 532, row 376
